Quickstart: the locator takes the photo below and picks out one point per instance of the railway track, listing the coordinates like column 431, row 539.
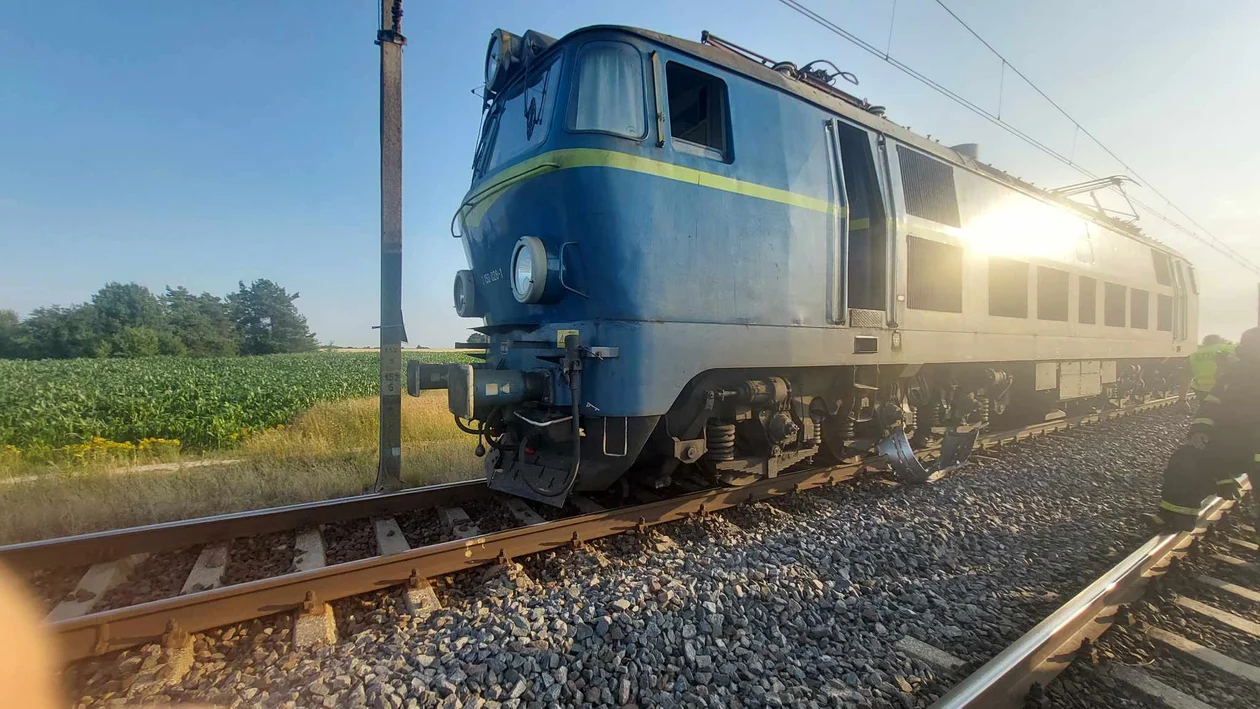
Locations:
column 404, row 540
column 1162, row 641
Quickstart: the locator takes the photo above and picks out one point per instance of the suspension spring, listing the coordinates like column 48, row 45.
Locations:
column 720, row 438
column 927, row 417
column 845, row 425
column 817, row 419
column 983, row 406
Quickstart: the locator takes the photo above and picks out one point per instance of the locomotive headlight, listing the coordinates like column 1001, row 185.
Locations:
column 523, row 272
column 466, row 305
column 502, row 55
column 492, row 59
column 529, row 269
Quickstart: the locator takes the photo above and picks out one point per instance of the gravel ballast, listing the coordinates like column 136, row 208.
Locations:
column 794, row 602
column 259, row 557
column 349, row 541
column 160, row 576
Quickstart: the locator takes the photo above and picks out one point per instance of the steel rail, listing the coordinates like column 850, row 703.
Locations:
column 115, row 629
column 1046, row 650
column 1037, row 429
column 84, row 549
column 106, row 631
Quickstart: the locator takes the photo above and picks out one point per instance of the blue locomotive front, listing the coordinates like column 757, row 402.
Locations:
column 617, row 248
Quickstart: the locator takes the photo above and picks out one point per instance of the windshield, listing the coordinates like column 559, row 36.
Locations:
column 520, row 118
column 609, row 90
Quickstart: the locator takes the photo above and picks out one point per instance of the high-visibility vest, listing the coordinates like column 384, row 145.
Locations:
column 1203, row 365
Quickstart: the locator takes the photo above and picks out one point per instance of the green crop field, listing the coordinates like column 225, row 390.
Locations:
column 205, row 404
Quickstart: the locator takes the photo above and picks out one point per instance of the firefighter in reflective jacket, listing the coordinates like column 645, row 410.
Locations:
column 1224, row 440
column 1201, row 366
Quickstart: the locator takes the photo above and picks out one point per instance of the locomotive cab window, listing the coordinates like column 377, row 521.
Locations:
column 867, row 243
column 608, row 93
column 520, row 117
column 1163, row 267
column 697, row 111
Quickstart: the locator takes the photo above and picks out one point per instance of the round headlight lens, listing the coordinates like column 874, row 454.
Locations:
column 492, row 59
column 529, row 269
column 523, row 272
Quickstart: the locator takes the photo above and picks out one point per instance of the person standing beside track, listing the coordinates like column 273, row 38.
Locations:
column 1202, row 365
column 1224, row 442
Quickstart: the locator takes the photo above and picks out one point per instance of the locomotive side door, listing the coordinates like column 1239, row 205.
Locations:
column 838, row 241
column 1180, row 306
column 858, row 291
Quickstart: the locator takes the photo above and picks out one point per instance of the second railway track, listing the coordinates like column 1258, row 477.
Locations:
column 310, row 581
column 1019, row 675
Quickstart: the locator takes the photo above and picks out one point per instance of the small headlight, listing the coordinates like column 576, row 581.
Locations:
column 529, row 269
column 466, row 305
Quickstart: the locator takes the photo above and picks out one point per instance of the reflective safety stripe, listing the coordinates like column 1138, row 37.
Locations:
column 1205, row 422
column 1209, row 399
column 1166, row 505
column 1257, row 458
column 568, row 158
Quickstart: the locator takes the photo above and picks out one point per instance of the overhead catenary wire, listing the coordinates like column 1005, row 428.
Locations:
column 1206, row 237
column 1082, row 129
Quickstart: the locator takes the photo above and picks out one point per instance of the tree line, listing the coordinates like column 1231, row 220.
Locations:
column 129, row 320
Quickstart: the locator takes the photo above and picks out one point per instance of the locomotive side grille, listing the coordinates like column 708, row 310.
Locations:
column 933, row 276
column 1008, row 288
column 861, row 317
column 1088, row 308
column 1139, row 309
column 1052, row 294
column 928, row 185
column 1114, row 305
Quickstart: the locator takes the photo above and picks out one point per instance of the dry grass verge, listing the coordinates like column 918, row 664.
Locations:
column 329, row 452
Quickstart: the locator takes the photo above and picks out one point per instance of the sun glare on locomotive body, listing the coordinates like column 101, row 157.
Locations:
column 1017, row 228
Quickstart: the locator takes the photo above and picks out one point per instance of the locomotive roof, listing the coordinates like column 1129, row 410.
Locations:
column 742, row 65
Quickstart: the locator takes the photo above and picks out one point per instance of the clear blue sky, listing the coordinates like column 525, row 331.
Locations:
column 204, row 143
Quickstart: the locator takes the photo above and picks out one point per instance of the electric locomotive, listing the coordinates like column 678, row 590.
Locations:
column 692, row 260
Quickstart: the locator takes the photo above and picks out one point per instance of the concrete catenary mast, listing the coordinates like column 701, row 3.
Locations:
column 393, row 334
